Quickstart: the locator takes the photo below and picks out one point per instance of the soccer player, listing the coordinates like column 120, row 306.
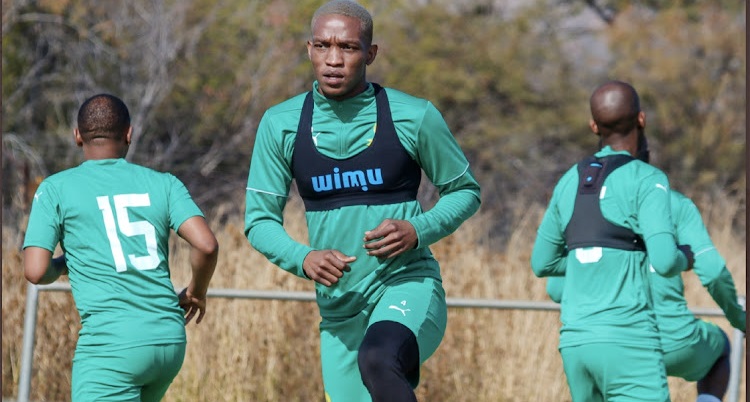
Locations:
column 112, row 219
column 356, row 151
column 694, row 350
column 606, row 214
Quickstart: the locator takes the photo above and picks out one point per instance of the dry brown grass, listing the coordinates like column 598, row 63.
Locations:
column 268, row 350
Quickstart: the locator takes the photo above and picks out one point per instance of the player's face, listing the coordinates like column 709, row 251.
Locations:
column 339, row 56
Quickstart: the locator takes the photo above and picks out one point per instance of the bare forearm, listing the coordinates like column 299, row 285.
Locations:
column 204, row 251
column 203, row 266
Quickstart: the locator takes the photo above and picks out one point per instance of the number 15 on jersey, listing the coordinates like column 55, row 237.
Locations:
column 116, row 223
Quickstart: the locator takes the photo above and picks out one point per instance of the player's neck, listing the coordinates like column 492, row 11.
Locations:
column 621, row 143
column 104, row 151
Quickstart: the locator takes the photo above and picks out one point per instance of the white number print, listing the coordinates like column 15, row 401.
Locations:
column 138, row 228
column 588, row 255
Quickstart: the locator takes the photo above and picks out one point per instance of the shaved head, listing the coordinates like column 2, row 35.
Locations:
column 614, row 108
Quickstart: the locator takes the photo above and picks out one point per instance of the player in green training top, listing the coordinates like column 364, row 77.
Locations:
column 694, row 350
column 606, row 213
column 356, row 151
column 113, row 219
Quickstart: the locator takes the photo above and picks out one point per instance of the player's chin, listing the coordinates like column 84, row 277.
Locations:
column 333, row 92
column 336, row 91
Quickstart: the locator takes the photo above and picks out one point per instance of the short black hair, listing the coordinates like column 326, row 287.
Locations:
column 103, row 116
column 350, row 9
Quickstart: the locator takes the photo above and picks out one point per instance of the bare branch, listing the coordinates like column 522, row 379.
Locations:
column 607, row 14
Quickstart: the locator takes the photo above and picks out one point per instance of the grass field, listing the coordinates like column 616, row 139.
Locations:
column 268, row 350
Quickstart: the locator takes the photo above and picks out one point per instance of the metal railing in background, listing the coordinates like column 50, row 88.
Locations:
column 32, row 299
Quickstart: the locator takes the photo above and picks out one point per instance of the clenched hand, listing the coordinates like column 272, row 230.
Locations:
column 326, row 266
column 191, row 305
column 390, row 239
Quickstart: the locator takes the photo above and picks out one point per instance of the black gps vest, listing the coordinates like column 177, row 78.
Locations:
column 383, row 173
column 587, row 226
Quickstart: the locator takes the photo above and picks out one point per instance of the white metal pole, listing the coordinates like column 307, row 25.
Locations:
column 738, row 350
column 27, row 351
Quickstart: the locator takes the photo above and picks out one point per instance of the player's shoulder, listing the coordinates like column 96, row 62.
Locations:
column 396, row 96
column 571, row 172
column 406, row 107
column 642, row 169
column 640, row 174
column 678, row 197
column 61, row 175
column 568, row 181
column 148, row 174
column 137, row 167
column 65, row 176
column 682, row 204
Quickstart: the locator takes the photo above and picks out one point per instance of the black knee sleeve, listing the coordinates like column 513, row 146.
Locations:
column 727, row 345
column 389, row 362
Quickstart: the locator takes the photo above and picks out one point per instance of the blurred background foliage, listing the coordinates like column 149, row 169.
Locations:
column 512, row 79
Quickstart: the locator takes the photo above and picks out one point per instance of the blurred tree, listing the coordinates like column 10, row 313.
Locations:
column 511, row 78
column 251, row 56
column 58, row 53
column 693, row 81
column 503, row 81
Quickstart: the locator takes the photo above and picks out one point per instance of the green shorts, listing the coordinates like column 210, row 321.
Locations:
column 140, row 374
column 417, row 303
column 694, row 361
column 600, row 372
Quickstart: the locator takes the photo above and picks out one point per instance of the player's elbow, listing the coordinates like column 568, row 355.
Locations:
column 36, row 262
column 545, row 264
column 540, row 268
column 208, row 246
column 554, row 293
column 33, row 277
column 36, row 275
column 666, row 265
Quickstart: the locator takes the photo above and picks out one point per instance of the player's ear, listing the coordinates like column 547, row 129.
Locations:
column 77, row 136
column 371, row 53
column 642, row 120
column 309, row 50
column 129, row 134
column 593, row 126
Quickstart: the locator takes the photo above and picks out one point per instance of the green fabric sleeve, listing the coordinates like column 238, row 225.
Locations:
column 709, row 265
column 658, row 232
column 271, row 240
column 181, row 204
column 445, row 165
column 268, row 185
column 723, row 292
column 548, row 258
column 44, row 228
column 458, row 201
column 664, row 255
column 555, row 285
column 548, row 255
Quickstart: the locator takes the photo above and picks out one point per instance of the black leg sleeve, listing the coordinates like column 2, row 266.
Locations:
column 389, row 362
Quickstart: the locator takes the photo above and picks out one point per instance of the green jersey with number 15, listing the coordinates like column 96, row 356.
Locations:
column 112, row 219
